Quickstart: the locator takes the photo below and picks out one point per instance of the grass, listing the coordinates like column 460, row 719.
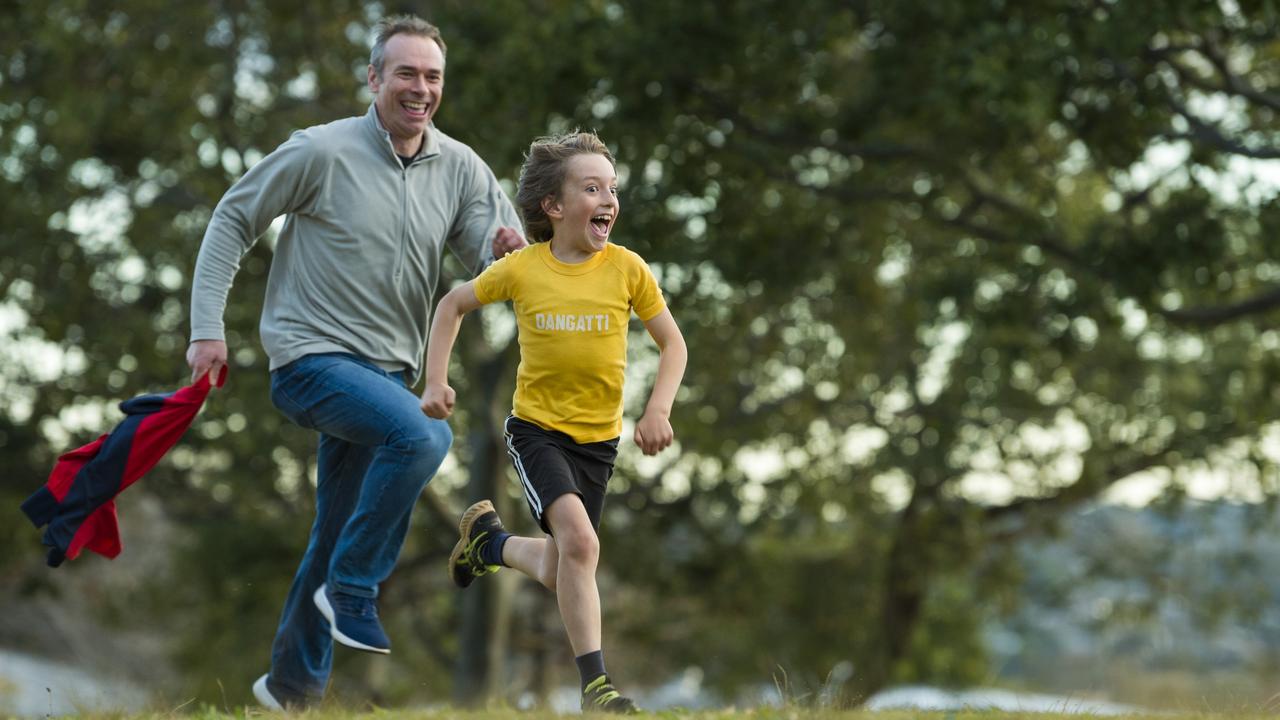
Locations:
column 781, row 713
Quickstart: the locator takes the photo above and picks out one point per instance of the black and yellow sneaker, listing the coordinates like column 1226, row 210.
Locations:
column 478, row 526
column 601, row 696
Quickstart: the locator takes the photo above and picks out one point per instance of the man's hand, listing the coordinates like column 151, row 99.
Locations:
column 507, row 240
column 653, row 433
column 437, row 401
column 207, row 356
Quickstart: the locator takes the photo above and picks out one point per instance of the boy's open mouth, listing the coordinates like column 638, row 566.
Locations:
column 600, row 224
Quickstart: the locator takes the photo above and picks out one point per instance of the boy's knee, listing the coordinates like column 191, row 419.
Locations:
column 579, row 545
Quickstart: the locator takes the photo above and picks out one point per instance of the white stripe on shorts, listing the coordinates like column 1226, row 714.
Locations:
column 530, row 495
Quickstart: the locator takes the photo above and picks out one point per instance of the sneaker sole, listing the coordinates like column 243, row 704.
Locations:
column 263, row 695
column 464, row 530
column 322, row 602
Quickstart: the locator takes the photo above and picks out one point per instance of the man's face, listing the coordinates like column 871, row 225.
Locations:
column 409, row 91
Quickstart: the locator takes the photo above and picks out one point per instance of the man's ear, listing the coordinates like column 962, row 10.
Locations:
column 374, row 80
column 551, row 206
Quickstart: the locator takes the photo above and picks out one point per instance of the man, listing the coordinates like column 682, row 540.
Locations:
column 370, row 203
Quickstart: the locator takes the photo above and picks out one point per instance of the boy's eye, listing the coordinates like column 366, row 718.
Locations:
column 592, row 188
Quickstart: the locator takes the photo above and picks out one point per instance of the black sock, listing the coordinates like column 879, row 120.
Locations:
column 590, row 666
column 491, row 552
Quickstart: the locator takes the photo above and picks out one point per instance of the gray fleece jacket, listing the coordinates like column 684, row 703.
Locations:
column 358, row 258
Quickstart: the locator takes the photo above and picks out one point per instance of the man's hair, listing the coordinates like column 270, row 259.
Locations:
column 396, row 25
column 543, row 174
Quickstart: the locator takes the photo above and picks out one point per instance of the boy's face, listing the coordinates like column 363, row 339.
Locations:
column 584, row 214
column 409, row 90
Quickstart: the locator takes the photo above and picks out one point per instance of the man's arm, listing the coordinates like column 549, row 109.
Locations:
column 281, row 182
column 488, row 226
column 507, row 240
column 653, row 432
column 437, row 396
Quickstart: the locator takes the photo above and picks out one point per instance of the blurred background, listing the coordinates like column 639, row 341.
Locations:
column 980, row 299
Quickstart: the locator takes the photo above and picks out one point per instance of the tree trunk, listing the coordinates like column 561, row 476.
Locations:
column 904, row 588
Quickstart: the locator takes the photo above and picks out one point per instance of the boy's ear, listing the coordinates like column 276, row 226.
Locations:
column 551, row 207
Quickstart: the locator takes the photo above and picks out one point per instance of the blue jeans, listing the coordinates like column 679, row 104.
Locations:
column 377, row 452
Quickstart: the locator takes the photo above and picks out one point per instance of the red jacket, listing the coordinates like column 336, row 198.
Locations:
column 78, row 500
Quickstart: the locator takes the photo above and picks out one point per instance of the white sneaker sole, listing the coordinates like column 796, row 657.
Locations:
column 322, row 602
column 264, row 697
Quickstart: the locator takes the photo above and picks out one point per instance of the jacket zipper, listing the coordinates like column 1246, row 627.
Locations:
column 404, row 220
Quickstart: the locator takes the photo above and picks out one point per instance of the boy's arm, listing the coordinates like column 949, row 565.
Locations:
column 653, row 432
column 438, row 397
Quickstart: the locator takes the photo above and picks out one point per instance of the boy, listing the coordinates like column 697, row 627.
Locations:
column 573, row 293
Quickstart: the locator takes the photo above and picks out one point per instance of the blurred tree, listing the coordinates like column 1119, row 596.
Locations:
column 953, row 270
column 946, row 272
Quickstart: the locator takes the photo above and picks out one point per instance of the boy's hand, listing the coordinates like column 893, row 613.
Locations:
column 437, row 401
column 653, row 433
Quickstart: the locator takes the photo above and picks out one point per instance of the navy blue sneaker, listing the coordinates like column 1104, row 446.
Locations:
column 263, row 695
column 353, row 620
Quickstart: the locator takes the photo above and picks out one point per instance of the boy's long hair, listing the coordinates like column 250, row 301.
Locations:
column 543, row 174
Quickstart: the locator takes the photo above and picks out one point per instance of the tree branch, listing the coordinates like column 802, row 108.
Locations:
column 1216, row 315
column 1202, row 130
column 1235, row 84
column 799, row 139
column 1074, row 494
column 1045, row 240
column 1205, row 132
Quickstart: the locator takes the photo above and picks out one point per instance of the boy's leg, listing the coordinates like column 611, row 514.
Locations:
column 545, row 473
column 579, row 599
column 578, row 554
column 537, row 558
column 564, row 484
column 484, row 545
column 567, row 566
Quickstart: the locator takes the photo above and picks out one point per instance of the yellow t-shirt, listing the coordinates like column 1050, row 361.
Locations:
column 572, row 323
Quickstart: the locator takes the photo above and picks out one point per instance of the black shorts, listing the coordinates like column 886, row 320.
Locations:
column 551, row 464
